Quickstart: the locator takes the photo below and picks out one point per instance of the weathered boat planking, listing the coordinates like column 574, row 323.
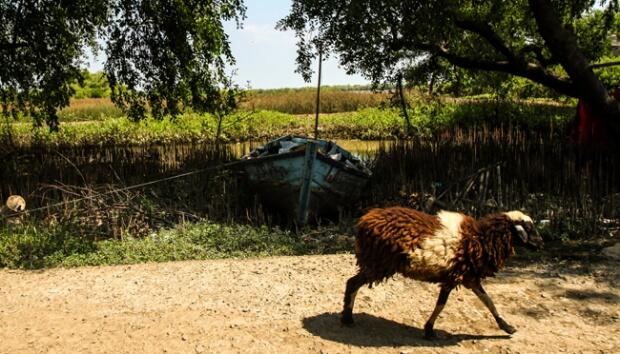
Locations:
column 306, row 180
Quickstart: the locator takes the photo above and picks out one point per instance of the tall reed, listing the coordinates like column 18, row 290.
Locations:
column 304, row 101
column 499, row 168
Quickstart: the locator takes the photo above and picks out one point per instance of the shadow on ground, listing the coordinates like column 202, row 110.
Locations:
column 591, row 295
column 372, row 331
column 603, row 271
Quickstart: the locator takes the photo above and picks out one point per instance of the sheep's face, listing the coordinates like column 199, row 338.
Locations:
column 523, row 227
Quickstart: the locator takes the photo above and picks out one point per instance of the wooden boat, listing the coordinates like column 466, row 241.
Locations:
column 305, row 177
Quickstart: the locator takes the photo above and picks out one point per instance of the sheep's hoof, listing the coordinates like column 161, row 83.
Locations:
column 506, row 327
column 429, row 333
column 346, row 319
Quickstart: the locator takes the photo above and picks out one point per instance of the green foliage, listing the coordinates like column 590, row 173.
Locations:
column 163, row 55
column 449, row 43
column 593, row 33
column 368, row 124
column 93, row 85
column 610, row 76
column 177, row 61
column 37, row 247
column 40, row 43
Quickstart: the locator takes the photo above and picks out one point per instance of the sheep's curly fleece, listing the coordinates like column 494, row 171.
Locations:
column 423, row 247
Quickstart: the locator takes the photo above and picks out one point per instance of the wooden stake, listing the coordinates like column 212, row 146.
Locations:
column 318, row 95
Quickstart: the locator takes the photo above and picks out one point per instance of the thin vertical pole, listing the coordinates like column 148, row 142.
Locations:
column 403, row 103
column 318, row 95
column 306, row 182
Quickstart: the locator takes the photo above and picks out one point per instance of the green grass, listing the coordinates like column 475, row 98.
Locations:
column 34, row 247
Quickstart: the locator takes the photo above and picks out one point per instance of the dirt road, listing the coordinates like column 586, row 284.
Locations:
column 290, row 304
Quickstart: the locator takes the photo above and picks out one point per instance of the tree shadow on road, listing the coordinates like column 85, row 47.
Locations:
column 372, row 331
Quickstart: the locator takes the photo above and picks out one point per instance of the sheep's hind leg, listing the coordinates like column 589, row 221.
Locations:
column 486, row 300
column 441, row 302
column 353, row 285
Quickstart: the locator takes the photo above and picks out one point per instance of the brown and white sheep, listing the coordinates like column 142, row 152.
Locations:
column 448, row 248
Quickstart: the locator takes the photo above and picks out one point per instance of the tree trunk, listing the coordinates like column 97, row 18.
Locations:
column 563, row 45
column 403, row 103
column 218, row 132
column 431, row 84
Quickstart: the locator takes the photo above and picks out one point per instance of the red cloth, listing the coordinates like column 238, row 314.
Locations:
column 589, row 128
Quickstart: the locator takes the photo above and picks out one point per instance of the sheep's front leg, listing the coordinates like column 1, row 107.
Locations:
column 486, row 300
column 353, row 285
column 441, row 302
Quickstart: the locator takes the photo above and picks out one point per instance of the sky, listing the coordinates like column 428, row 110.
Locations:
column 266, row 57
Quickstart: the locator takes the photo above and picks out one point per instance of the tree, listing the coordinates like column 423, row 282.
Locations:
column 162, row 54
column 93, row 85
column 40, row 46
column 170, row 53
column 525, row 38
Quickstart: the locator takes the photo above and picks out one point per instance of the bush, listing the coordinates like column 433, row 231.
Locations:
column 33, row 246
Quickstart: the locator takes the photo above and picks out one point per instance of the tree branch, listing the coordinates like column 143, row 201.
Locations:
column 516, row 64
column 604, row 65
column 530, row 71
column 486, row 32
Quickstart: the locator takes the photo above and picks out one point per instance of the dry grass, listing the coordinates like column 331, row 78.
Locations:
column 90, row 102
column 304, row 101
column 85, row 109
column 300, row 101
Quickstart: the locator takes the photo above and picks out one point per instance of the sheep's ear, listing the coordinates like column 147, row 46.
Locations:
column 522, row 233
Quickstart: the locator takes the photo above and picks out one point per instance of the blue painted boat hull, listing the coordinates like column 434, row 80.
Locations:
column 277, row 179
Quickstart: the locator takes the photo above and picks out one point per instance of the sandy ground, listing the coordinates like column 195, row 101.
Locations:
column 290, row 305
